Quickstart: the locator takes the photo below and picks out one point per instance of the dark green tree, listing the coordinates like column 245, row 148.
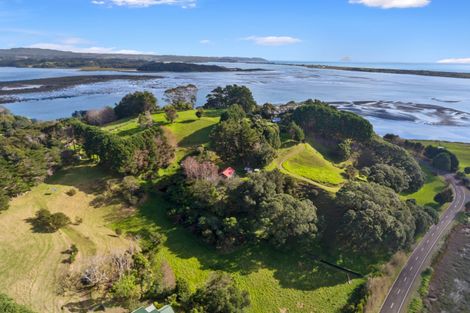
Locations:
column 389, row 176
column 222, row 98
column 136, row 103
column 442, row 162
column 220, row 295
column 237, row 142
column 235, row 112
column 445, row 196
column 287, row 220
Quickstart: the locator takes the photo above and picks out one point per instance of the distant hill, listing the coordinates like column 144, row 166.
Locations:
column 34, row 54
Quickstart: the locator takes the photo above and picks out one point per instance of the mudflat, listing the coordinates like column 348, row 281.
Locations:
column 57, row 83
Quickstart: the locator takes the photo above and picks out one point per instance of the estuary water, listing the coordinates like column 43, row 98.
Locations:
column 411, row 106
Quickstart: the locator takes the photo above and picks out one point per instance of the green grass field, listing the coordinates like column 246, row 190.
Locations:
column 187, row 129
column 276, row 281
column 433, row 185
column 307, row 162
column 461, row 150
column 31, row 264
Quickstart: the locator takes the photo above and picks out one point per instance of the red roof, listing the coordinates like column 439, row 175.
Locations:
column 228, row 172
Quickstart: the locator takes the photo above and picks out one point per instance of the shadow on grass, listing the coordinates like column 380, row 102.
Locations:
column 290, row 269
column 198, row 137
column 87, row 178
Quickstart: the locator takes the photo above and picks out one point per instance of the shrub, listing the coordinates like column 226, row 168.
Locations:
column 73, row 253
column 45, row 221
column 183, row 291
column 200, row 112
column 78, row 220
column 467, row 170
column 296, row 133
column 71, row 192
column 170, row 113
column 7, row 305
column 445, row 196
column 220, row 295
column 126, row 291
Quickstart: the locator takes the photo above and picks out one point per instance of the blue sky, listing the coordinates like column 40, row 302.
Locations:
column 308, row 30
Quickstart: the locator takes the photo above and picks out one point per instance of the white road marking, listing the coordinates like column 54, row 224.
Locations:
column 398, row 291
column 406, row 277
column 457, row 206
column 391, row 306
column 411, row 268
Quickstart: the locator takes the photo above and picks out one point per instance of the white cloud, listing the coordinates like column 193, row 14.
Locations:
column 455, row 61
column 85, row 49
column 390, row 4
column 146, row 3
column 273, row 40
column 205, row 42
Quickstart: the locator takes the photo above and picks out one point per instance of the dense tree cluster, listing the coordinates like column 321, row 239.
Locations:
column 222, row 98
column 410, row 145
column 378, row 153
column 230, row 212
column 136, row 103
column 29, row 152
column 389, row 176
column 377, row 221
column 442, row 158
column 245, row 142
column 143, row 153
column 322, row 119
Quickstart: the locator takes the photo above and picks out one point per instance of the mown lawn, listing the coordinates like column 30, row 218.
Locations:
column 309, row 163
column 187, row 129
column 277, row 281
column 433, row 185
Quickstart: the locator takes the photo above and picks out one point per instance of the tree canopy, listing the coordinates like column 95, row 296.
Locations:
column 222, row 98
column 135, row 103
column 376, row 220
column 322, row 119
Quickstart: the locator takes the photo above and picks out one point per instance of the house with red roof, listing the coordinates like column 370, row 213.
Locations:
column 228, row 172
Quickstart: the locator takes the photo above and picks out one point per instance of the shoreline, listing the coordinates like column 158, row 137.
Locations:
column 11, row 88
column 428, row 73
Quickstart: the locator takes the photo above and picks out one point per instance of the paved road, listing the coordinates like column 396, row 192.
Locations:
column 402, row 288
